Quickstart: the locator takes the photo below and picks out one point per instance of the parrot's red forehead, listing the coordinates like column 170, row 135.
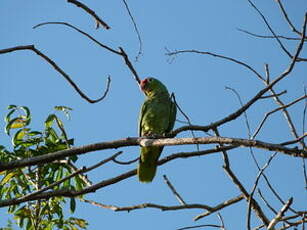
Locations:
column 144, row 83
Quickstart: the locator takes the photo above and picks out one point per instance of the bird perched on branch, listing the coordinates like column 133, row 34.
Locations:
column 157, row 118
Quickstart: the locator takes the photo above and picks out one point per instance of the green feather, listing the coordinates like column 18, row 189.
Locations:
column 157, row 117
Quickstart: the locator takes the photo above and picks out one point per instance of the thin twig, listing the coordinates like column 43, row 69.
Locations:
column 270, row 28
column 140, row 52
column 130, row 66
column 58, row 69
column 185, row 116
column 174, row 53
column 125, row 162
column 287, row 18
column 79, row 171
column 280, row 214
column 255, row 206
column 274, row 95
column 299, row 139
column 266, row 36
column 81, row 32
column 91, row 12
column 254, row 188
column 172, row 188
column 266, row 202
column 221, row 220
column 256, row 97
column 245, row 114
column 304, row 119
column 148, row 205
column 122, row 53
column 219, row 207
column 200, row 226
column 275, row 110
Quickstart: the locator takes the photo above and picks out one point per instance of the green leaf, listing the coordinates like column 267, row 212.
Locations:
column 49, row 120
column 65, row 110
column 34, row 133
column 62, row 108
column 52, row 135
column 7, row 178
column 8, row 116
column 27, row 112
column 2, row 148
column 19, row 135
column 15, row 123
column 59, row 123
column 59, row 174
column 12, row 107
column 80, row 222
column 72, row 205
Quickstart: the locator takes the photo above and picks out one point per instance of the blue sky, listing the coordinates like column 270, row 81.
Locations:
column 198, row 81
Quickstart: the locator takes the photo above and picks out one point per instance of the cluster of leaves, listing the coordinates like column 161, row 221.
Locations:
column 42, row 214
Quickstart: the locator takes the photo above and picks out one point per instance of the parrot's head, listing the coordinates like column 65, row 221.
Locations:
column 153, row 87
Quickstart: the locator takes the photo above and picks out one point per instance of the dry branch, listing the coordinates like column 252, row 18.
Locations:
column 91, row 12
column 287, row 18
column 172, row 188
column 220, row 206
column 58, row 69
column 267, row 36
column 275, row 110
column 280, row 214
column 135, row 141
column 121, row 53
column 136, row 30
column 253, row 203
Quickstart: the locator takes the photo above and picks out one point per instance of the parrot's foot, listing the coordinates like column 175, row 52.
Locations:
column 153, row 136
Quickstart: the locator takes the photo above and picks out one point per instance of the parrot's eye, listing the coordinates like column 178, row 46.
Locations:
column 149, row 79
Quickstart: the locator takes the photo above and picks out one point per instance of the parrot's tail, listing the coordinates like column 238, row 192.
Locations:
column 146, row 172
column 148, row 163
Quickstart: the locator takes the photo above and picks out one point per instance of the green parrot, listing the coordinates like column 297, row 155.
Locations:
column 157, row 117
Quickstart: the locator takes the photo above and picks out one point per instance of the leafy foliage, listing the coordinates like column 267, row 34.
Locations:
column 41, row 214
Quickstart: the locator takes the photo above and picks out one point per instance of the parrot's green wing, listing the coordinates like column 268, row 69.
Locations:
column 141, row 116
column 172, row 116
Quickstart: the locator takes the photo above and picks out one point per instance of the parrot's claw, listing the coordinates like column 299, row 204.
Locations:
column 152, row 136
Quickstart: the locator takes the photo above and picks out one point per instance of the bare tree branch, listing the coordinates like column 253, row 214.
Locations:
column 136, row 30
column 91, row 12
column 260, row 173
column 122, row 53
column 200, row 226
column 287, row 18
column 149, row 205
column 256, row 97
column 220, row 206
column 275, row 110
column 222, row 221
column 125, row 162
column 274, row 34
column 185, row 116
column 274, row 95
column 266, row 36
column 174, row 53
column 172, row 188
column 255, row 206
column 244, row 113
column 135, row 141
column 266, row 202
column 58, row 69
column 280, row 214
